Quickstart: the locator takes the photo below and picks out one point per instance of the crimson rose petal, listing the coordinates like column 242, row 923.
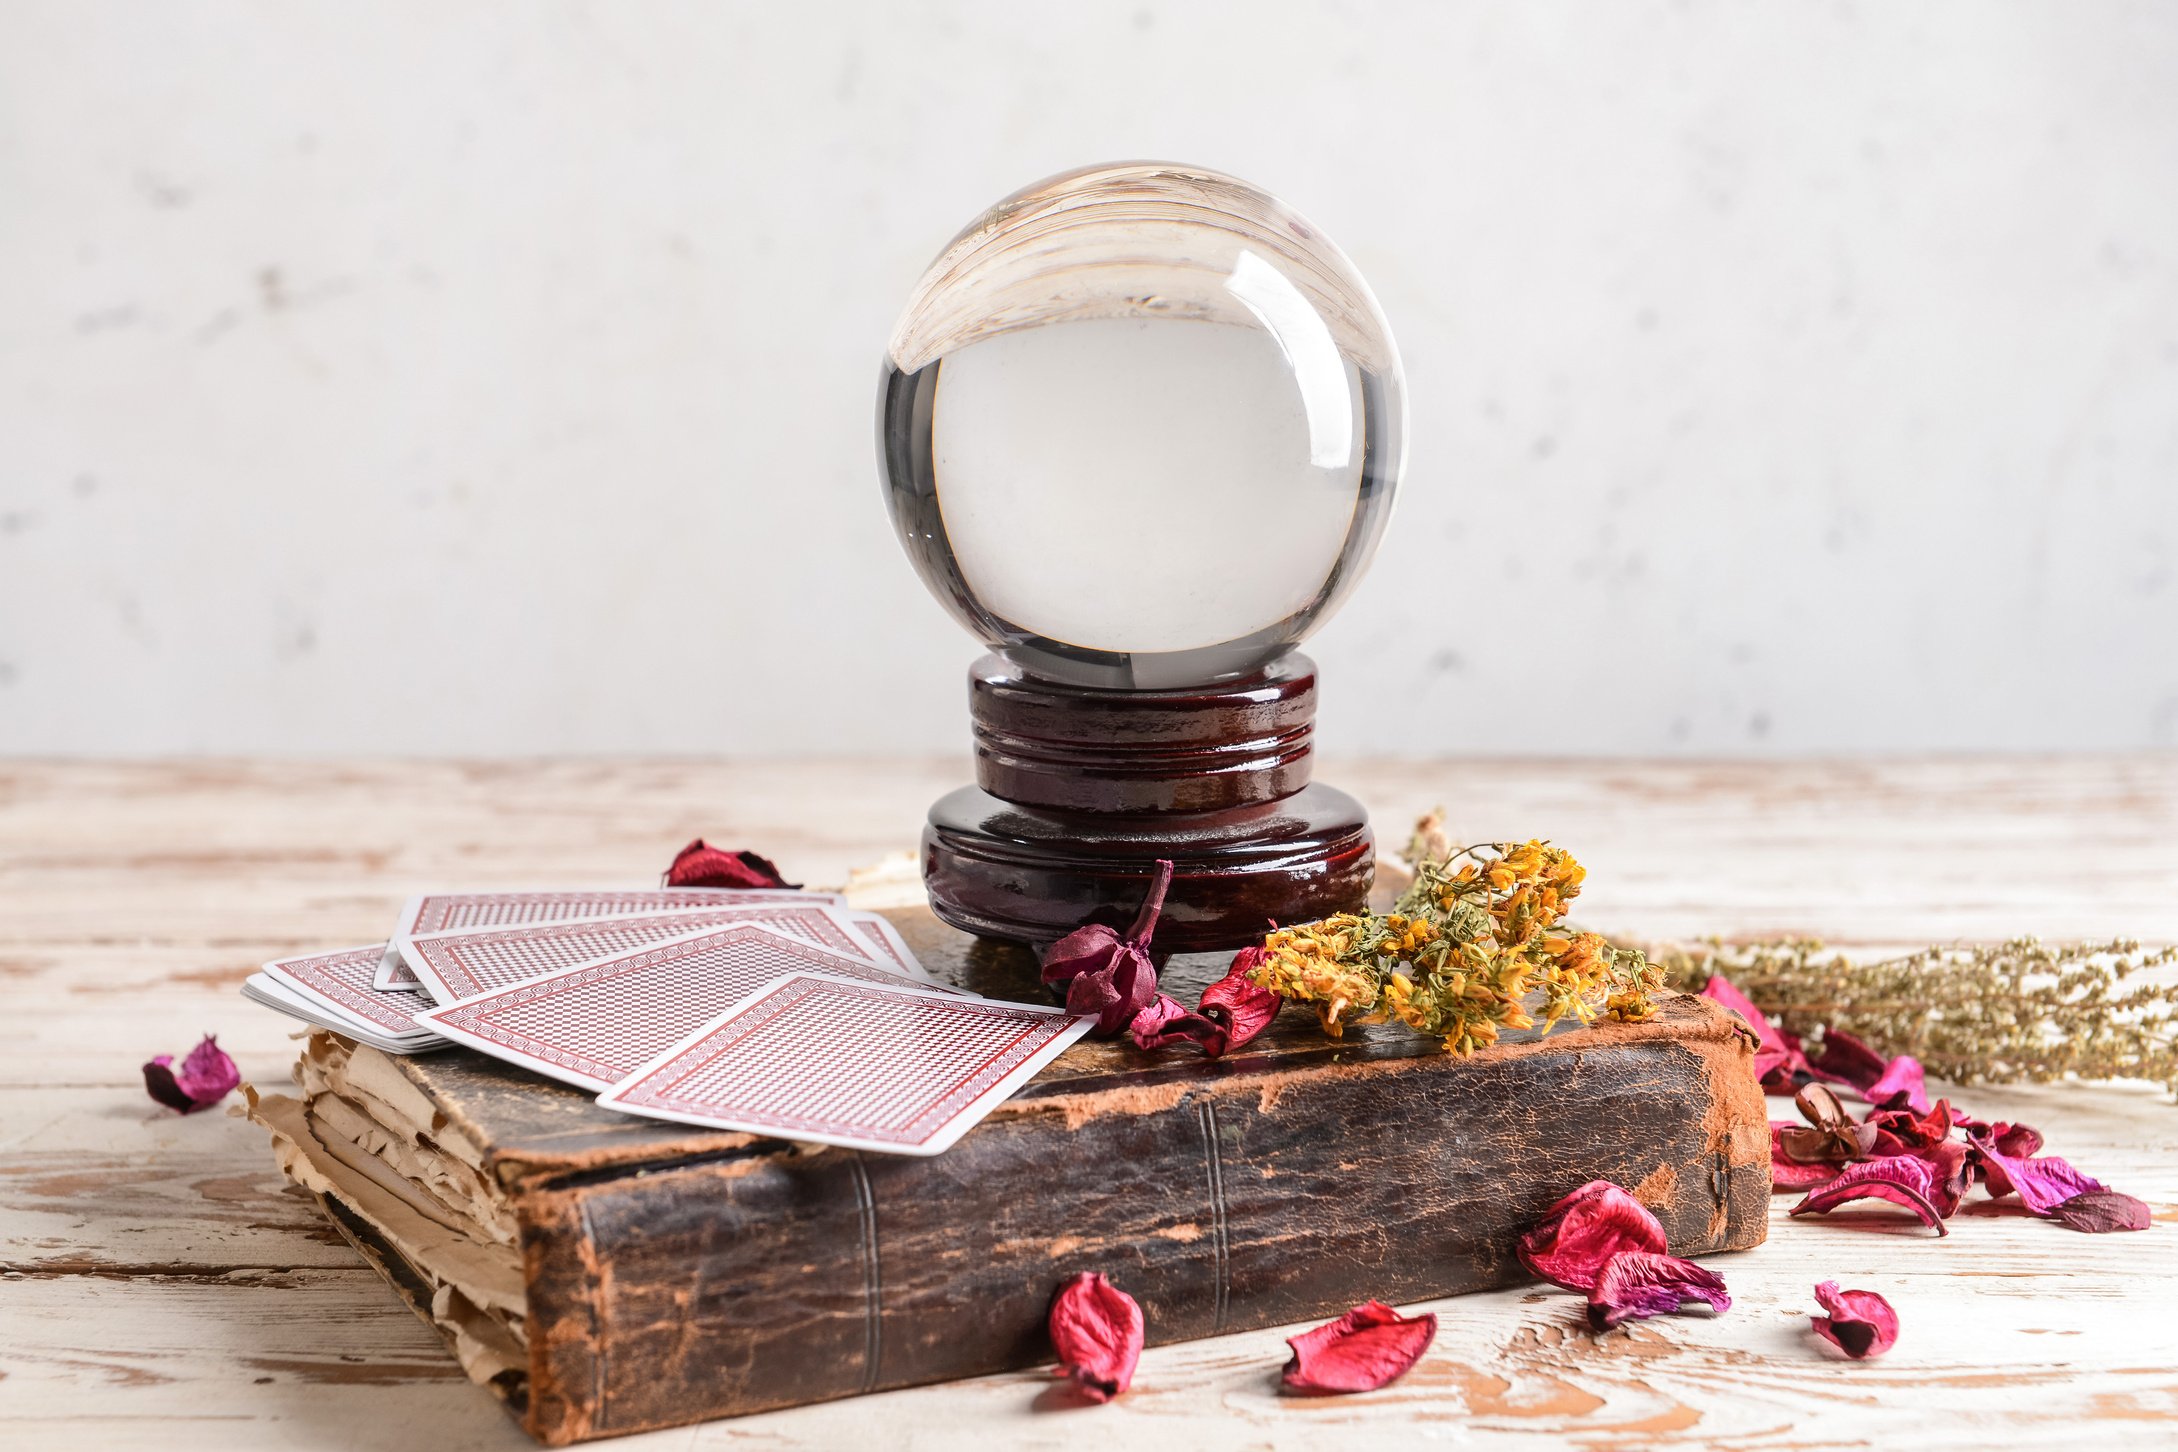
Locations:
column 1097, row 1330
column 699, row 864
column 1637, row 1284
column 1242, row 1005
column 1167, row 1021
column 1860, row 1324
column 1903, row 1180
column 205, row 1077
column 1368, row 1347
column 1576, row 1236
column 2098, row 1212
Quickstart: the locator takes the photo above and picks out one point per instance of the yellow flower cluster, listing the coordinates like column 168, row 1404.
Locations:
column 1468, row 952
column 1324, row 965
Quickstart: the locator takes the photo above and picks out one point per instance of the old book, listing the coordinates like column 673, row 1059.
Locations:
column 606, row 1274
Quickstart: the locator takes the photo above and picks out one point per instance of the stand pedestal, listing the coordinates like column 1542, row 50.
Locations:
column 1079, row 791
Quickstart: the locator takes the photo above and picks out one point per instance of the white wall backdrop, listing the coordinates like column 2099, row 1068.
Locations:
column 498, row 379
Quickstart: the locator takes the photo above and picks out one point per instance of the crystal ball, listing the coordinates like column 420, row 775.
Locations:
column 1140, row 427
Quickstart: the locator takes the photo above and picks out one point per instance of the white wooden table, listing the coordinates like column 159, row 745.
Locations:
column 163, row 1290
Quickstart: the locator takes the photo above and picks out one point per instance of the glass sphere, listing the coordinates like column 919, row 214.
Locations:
column 1140, row 426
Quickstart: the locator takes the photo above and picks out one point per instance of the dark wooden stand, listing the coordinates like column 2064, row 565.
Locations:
column 1079, row 791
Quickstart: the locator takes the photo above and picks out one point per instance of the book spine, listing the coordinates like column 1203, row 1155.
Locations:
column 1222, row 1204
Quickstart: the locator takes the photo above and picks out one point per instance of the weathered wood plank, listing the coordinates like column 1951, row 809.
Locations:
column 160, row 1289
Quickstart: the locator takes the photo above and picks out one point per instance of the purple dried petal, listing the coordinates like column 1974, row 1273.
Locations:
column 1097, row 1330
column 1860, row 1324
column 1903, row 1180
column 2098, row 1212
column 1082, row 951
column 2042, row 1182
column 205, row 1077
column 1901, row 1085
column 1368, row 1347
column 1107, row 976
column 1638, row 1284
column 1114, row 993
column 1577, row 1236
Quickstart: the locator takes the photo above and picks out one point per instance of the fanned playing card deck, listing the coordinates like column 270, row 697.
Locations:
column 768, row 1010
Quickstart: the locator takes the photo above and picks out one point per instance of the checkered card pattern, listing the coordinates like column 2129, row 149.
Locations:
column 604, row 1019
column 473, row 963
column 897, row 1067
column 454, row 911
column 400, row 975
column 881, row 941
column 344, row 981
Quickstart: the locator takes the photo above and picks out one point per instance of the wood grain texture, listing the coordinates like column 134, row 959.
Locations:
column 161, row 1290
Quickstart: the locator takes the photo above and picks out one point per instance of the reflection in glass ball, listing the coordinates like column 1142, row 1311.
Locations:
column 1141, row 426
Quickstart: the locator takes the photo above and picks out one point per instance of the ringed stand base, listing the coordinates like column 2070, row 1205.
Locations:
column 1079, row 791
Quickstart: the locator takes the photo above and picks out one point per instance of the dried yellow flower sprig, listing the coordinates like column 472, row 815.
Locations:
column 1472, row 948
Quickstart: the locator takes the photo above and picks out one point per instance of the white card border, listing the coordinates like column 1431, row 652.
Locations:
column 266, row 991
column 277, row 971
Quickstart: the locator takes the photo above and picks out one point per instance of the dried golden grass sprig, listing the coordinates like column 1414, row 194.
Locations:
column 2000, row 1013
column 1472, row 948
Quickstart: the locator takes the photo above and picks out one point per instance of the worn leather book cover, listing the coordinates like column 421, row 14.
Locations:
column 608, row 1274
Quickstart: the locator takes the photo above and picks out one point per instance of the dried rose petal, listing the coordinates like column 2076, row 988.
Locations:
column 1636, row 1285
column 1779, row 1064
column 1787, row 1173
column 1167, row 1021
column 699, row 864
column 1368, row 1347
column 1242, row 1005
column 2042, row 1182
column 1831, row 1136
column 1790, row 1175
column 2098, row 1212
column 1901, row 1086
column 1905, row 1131
column 1848, row 1060
column 1234, row 1011
column 1901, row 1179
column 1097, row 1330
column 1576, row 1236
column 1108, row 976
column 205, row 1077
column 1886, row 1083
column 1860, row 1324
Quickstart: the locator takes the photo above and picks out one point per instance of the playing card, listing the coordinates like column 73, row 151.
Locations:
column 879, row 933
column 593, row 1023
column 873, row 1066
column 448, row 912
column 452, row 966
column 341, row 982
column 269, row 992
column 393, row 970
